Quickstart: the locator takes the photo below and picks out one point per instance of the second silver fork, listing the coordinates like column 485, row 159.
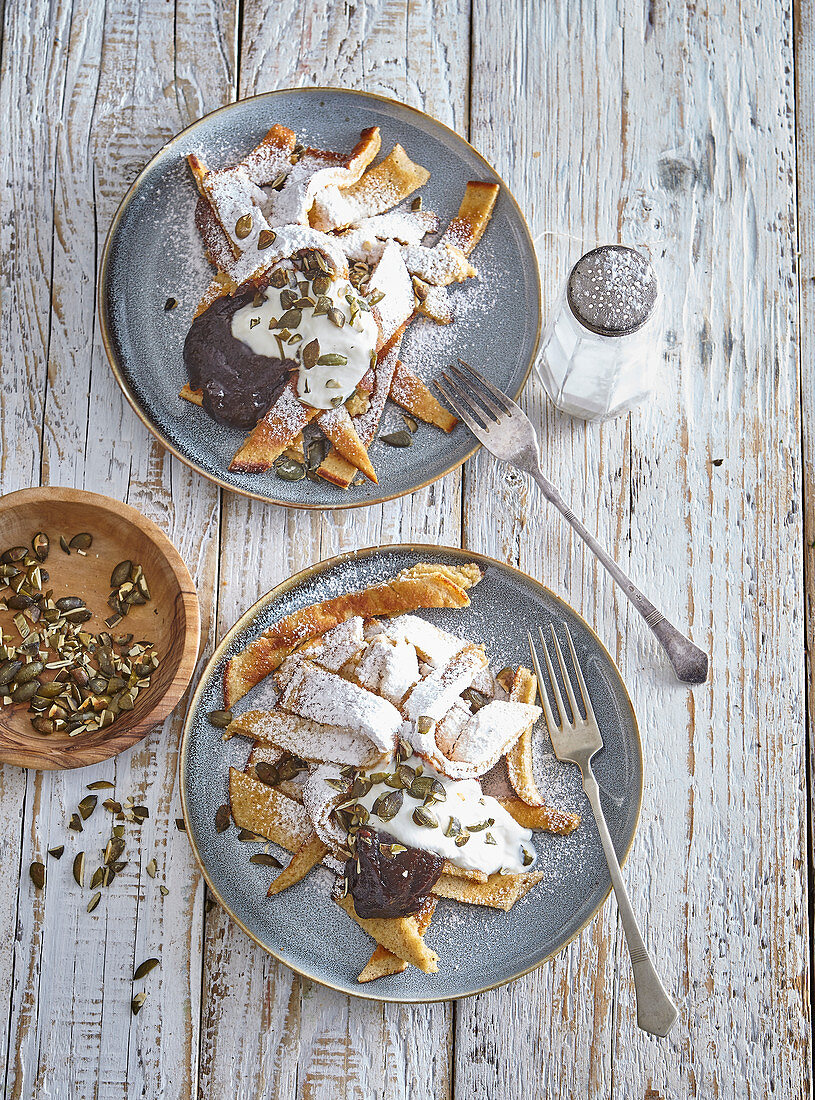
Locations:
column 507, row 432
column 576, row 739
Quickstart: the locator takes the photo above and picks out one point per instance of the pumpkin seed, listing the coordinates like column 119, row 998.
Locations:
column 462, row 839
column 407, row 774
column 63, row 544
column 69, row 603
column 164, row 890
column 453, row 827
column 394, row 780
column 51, row 690
column 79, row 868
column 220, row 718
column 288, row 298
column 311, row 353
column 223, row 817
column 265, row 859
column 121, row 573
column 265, row 238
column 171, row 303
column 289, row 469
column 37, row 872
column 114, row 848
column 489, row 839
column 412, row 424
column 360, row 787
column 112, row 806
column 289, row 768
column 13, row 554
column 29, row 672
column 290, row 319
column 143, row 969
column 332, row 359
column 82, row 541
column 8, row 670
column 180, row 824
column 376, row 297
column 152, row 868
column 387, row 806
column 87, row 806
column 101, row 785
column 398, row 439
column 243, row 226
column 278, row 278
column 337, row 784
column 336, row 317
column 57, row 852
column 140, row 813
column 422, row 816
column 41, row 544
column 267, row 773
column 528, row 857
column 24, row 692
column 323, row 305
column 480, row 825
column 321, row 284
column 97, row 897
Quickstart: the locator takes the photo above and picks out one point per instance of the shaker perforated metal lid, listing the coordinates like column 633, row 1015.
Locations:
column 612, row 290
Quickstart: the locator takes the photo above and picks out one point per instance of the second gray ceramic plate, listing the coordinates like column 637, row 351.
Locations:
column 478, row 948
column 153, row 253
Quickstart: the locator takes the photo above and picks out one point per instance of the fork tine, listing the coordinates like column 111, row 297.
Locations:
column 507, row 402
column 484, row 398
column 561, row 709
column 457, row 406
column 576, row 715
column 465, row 401
column 584, row 691
column 544, row 694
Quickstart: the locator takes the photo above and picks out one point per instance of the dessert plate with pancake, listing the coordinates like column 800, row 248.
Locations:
column 370, row 791
column 284, row 280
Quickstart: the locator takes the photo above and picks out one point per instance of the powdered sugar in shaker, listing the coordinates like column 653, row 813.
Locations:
column 601, row 348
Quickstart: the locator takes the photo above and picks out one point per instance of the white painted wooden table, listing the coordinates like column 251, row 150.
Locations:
column 670, row 127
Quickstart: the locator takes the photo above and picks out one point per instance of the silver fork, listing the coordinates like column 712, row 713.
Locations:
column 506, row 431
column 577, row 740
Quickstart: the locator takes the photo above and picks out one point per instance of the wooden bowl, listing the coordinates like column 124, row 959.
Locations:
column 170, row 619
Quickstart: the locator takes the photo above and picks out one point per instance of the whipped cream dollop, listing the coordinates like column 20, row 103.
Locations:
column 329, row 332
column 495, row 841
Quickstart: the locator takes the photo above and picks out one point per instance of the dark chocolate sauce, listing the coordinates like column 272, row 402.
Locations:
column 380, row 888
column 238, row 385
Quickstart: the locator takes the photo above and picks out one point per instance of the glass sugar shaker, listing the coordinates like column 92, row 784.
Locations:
column 601, row 349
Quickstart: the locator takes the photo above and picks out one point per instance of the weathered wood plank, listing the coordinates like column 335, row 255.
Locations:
column 105, row 109
column 688, row 152
column 804, row 69
column 328, row 1041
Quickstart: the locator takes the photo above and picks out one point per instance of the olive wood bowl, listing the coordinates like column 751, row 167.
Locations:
column 170, row 618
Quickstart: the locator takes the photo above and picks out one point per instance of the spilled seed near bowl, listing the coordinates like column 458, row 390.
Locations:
column 111, row 860
column 73, row 680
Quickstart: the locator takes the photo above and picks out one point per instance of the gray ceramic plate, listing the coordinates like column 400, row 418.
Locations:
column 479, row 948
column 153, row 252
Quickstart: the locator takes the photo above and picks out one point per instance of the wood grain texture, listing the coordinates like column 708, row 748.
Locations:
column 170, row 619
column 673, row 155
column 668, row 127
column 323, row 1038
column 95, row 98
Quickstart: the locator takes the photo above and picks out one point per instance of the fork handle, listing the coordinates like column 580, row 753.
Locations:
column 656, row 1012
column 688, row 661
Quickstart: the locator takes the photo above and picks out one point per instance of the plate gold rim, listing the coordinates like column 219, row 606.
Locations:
column 302, row 577
column 124, row 385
